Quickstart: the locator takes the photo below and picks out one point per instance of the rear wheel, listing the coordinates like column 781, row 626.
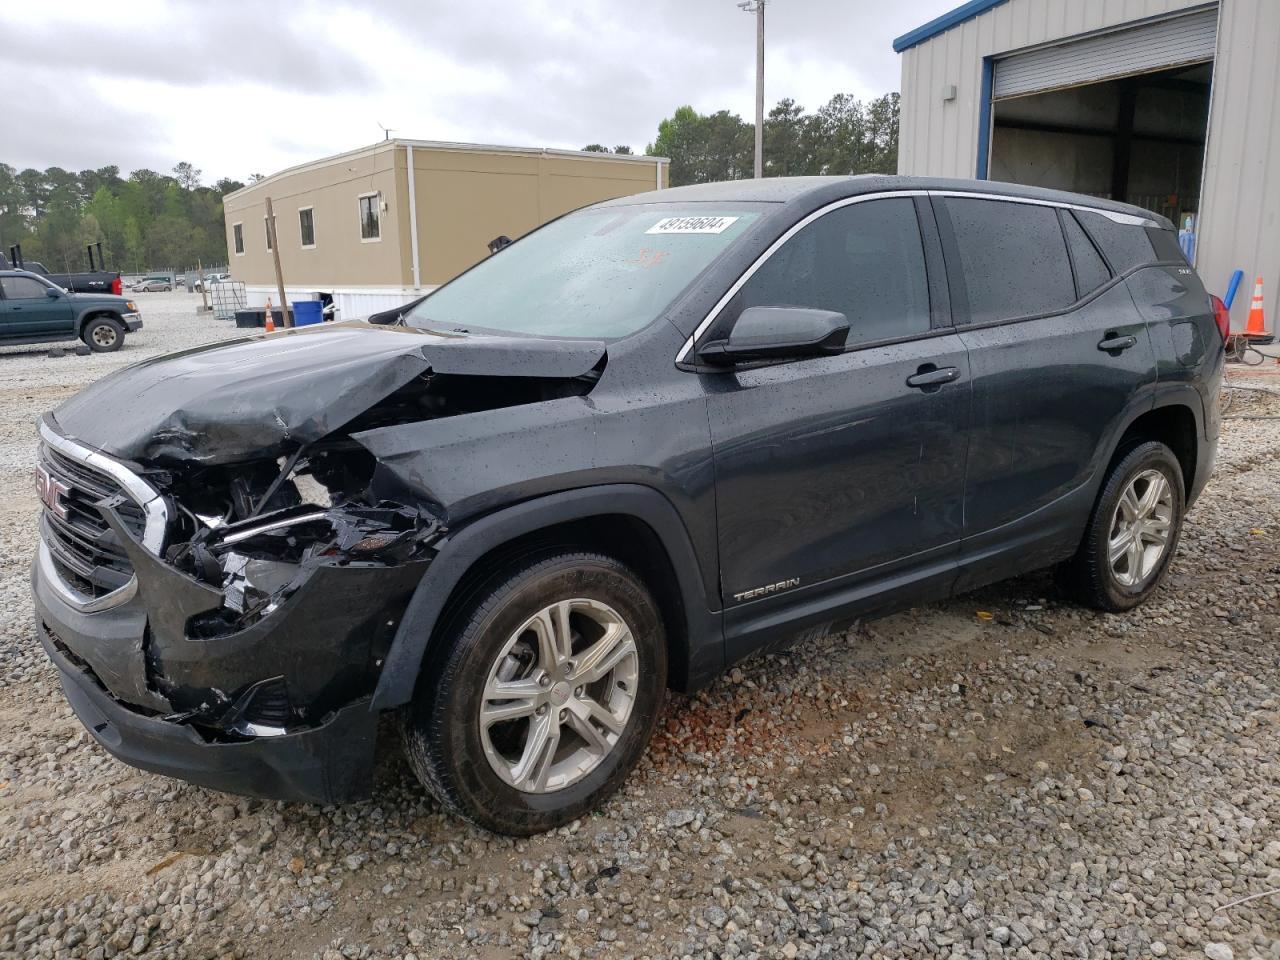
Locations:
column 1134, row 530
column 541, row 695
column 103, row 334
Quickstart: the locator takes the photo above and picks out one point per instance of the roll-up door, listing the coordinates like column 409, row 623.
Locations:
column 1175, row 41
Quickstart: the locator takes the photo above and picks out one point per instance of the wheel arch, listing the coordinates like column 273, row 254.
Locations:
column 91, row 313
column 1176, row 421
column 634, row 523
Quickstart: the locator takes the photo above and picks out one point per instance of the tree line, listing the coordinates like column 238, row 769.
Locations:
column 844, row 136
column 147, row 220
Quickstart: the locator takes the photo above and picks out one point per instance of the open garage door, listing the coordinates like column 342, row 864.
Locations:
column 1121, row 115
column 1172, row 42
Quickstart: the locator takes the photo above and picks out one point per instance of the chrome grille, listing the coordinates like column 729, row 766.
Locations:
column 85, row 551
column 80, row 555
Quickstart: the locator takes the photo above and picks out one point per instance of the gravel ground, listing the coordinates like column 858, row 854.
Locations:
column 1005, row 774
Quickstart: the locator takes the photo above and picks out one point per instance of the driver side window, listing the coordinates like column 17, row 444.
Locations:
column 22, row 288
column 865, row 260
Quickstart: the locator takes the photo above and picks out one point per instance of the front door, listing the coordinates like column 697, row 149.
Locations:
column 838, row 474
column 27, row 310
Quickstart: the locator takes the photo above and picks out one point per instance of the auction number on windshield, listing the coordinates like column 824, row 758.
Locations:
column 692, row 225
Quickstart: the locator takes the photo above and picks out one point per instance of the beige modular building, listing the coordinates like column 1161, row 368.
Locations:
column 1169, row 104
column 379, row 226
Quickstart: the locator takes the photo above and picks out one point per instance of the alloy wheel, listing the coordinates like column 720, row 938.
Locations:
column 104, row 335
column 1140, row 528
column 559, row 695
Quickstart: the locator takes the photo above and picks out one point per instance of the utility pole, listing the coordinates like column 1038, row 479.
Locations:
column 757, row 7
column 285, row 319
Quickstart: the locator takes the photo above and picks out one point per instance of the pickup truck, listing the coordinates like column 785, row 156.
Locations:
column 91, row 281
column 34, row 309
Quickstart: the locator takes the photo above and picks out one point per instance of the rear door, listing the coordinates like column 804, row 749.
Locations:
column 1060, row 357
column 837, row 475
column 28, row 310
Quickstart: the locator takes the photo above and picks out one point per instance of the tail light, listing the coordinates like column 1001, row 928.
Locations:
column 1222, row 317
column 117, row 287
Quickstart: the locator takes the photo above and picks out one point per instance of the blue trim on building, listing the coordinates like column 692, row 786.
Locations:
column 984, row 118
column 944, row 23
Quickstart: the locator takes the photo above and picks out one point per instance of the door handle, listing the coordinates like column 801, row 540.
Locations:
column 1114, row 344
column 930, row 376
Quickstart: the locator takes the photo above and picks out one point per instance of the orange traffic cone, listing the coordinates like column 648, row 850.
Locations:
column 271, row 320
column 1257, row 325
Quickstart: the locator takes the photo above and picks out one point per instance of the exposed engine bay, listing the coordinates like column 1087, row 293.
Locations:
column 252, row 528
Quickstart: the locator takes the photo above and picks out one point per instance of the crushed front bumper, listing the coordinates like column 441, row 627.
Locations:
column 318, row 643
column 330, row 763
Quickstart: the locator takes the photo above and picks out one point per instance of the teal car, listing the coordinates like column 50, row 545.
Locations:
column 34, row 310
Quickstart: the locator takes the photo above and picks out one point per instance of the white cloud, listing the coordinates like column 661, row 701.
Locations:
column 246, row 86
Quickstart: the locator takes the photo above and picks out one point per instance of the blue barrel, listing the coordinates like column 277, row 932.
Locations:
column 307, row 312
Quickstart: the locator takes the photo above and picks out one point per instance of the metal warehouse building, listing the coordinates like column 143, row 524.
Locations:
column 1168, row 104
column 377, row 227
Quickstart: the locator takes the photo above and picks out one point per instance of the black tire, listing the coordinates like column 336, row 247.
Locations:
column 441, row 727
column 1089, row 574
column 103, row 334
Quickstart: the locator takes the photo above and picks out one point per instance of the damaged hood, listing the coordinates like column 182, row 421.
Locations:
column 227, row 402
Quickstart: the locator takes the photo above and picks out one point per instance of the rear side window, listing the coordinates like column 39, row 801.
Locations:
column 1091, row 269
column 1013, row 258
column 1166, row 245
column 1124, row 245
column 865, row 260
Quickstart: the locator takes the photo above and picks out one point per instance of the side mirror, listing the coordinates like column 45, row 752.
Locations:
column 779, row 333
column 51, row 293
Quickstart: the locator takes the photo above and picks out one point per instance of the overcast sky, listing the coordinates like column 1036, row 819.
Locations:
column 251, row 86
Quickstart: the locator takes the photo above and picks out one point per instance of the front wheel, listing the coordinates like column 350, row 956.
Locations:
column 1134, row 530
column 540, row 696
column 103, row 334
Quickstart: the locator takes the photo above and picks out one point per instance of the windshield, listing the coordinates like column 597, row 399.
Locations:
column 599, row 273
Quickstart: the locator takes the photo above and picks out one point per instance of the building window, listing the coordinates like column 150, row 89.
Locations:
column 370, row 227
column 306, row 227
column 266, row 229
column 237, row 238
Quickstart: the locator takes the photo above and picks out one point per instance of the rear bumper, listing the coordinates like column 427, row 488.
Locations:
column 329, row 763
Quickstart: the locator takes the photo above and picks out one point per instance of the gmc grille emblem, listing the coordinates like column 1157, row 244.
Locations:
column 51, row 491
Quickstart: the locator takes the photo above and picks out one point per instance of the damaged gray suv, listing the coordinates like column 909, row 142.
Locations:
column 642, row 442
